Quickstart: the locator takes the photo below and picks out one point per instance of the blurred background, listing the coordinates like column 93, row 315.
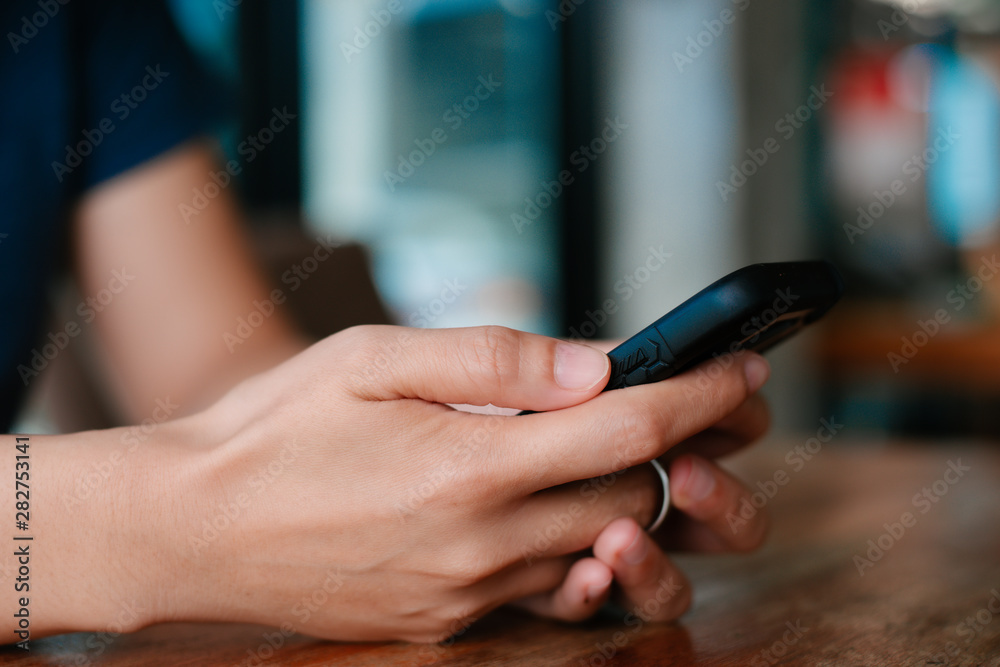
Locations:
column 579, row 167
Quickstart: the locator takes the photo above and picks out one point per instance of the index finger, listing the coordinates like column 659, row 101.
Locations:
column 736, row 430
column 625, row 427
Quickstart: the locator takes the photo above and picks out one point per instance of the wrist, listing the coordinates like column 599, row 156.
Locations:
column 197, row 482
column 172, row 483
column 200, row 493
column 103, row 521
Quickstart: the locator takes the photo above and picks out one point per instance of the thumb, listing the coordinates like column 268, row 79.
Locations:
column 476, row 365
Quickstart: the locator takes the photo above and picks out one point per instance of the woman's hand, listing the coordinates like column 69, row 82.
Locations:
column 337, row 494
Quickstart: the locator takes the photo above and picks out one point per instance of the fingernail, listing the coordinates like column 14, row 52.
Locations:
column 594, row 591
column 700, row 482
column 636, row 552
column 579, row 367
column 757, row 371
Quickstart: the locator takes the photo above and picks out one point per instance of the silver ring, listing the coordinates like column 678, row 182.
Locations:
column 658, row 521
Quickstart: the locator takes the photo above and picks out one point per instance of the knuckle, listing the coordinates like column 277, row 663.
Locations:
column 478, row 456
column 714, row 385
column 369, row 353
column 363, row 335
column 357, row 345
column 638, row 436
column 751, row 536
column 493, row 352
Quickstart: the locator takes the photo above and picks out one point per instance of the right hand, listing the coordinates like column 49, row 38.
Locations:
column 364, row 508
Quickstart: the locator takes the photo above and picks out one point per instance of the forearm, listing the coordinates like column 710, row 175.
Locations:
column 185, row 284
column 352, row 505
column 92, row 554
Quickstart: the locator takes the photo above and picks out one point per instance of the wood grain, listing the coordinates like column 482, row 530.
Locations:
column 799, row 601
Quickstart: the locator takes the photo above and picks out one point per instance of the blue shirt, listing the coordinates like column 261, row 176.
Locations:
column 89, row 89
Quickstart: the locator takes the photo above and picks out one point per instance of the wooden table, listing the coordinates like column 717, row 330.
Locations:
column 857, row 338
column 933, row 586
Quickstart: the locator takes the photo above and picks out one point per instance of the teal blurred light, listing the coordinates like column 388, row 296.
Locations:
column 963, row 176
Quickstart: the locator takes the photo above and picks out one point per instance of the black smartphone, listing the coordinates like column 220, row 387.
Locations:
column 753, row 308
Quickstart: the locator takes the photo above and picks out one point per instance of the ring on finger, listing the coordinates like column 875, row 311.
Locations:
column 665, row 505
